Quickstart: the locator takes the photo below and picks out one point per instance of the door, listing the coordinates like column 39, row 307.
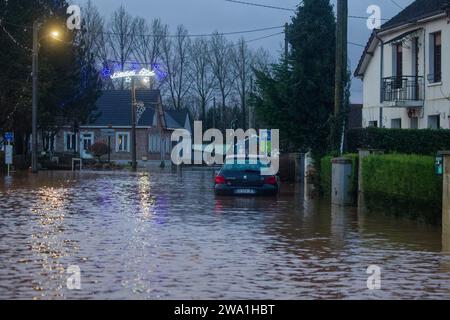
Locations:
column 87, row 140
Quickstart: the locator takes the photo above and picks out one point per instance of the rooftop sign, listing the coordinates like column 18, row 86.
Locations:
column 133, row 73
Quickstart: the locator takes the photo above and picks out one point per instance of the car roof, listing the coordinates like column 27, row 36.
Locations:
column 247, row 157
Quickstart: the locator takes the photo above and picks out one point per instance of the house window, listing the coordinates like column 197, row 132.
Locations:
column 398, row 65
column 435, row 58
column 415, row 55
column 87, row 141
column 434, row 122
column 123, row 142
column 70, row 141
column 155, row 143
column 414, row 123
column 49, row 143
column 373, row 124
column 396, row 123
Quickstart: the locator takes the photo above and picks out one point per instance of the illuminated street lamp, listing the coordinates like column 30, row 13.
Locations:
column 55, row 35
column 131, row 76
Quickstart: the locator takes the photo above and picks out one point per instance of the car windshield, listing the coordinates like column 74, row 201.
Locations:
column 248, row 166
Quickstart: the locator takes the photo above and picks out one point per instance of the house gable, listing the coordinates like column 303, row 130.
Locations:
column 418, row 10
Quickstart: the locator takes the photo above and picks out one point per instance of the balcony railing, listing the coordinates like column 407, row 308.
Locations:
column 403, row 89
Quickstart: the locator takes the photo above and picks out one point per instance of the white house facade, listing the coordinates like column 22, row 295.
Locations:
column 405, row 69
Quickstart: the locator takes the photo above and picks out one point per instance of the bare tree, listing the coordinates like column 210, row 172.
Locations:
column 192, row 72
column 176, row 59
column 148, row 46
column 262, row 60
column 122, row 34
column 94, row 27
column 201, row 73
column 243, row 69
column 95, row 38
column 220, row 58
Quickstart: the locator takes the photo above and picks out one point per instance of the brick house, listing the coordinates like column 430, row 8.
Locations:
column 114, row 126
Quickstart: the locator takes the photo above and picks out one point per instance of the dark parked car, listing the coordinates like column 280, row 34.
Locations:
column 244, row 178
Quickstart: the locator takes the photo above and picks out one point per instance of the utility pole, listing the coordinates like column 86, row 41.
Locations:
column 251, row 106
column 341, row 54
column 341, row 70
column 133, row 125
column 34, row 115
column 214, row 112
column 243, row 88
column 286, row 42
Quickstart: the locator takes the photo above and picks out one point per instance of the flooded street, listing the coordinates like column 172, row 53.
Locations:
column 163, row 235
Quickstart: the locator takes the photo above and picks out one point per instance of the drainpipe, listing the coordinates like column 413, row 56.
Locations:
column 381, row 79
column 425, row 78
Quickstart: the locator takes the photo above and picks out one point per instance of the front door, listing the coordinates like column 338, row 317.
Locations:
column 87, row 140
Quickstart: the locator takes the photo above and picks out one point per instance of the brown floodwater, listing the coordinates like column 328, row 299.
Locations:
column 164, row 235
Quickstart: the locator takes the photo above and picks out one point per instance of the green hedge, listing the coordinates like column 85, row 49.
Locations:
column 424, row 142
column 325, row 173
column 403, row 183
column 411, row 177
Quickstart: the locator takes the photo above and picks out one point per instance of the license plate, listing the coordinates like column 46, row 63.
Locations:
column 245, row 191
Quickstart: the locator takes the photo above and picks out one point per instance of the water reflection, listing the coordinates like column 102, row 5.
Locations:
column 164, row 235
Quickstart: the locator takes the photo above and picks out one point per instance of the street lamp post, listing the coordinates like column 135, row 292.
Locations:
column 35, row 73
column 133, row 125
column 36, row 27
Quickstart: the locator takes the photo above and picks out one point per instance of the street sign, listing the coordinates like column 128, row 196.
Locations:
column 8, row 154
column 439, row 165
column 265, row 144
column 9, row 136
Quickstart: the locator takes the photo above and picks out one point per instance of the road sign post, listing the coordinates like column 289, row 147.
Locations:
column 9, row 137
column 9, row 156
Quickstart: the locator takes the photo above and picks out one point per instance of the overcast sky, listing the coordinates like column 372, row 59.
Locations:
column 206, row 16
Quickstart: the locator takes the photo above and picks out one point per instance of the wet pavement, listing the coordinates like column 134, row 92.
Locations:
column 164, row 235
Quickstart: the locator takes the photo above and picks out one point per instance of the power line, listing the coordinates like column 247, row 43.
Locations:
column 265, row 37
column 395, row 2
column 356, row 44
column 246, row 41
column 260, row 5
column 186, row 35
column 365, row 18
column 189, row 35
column 287, row 9
column 169, row 35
